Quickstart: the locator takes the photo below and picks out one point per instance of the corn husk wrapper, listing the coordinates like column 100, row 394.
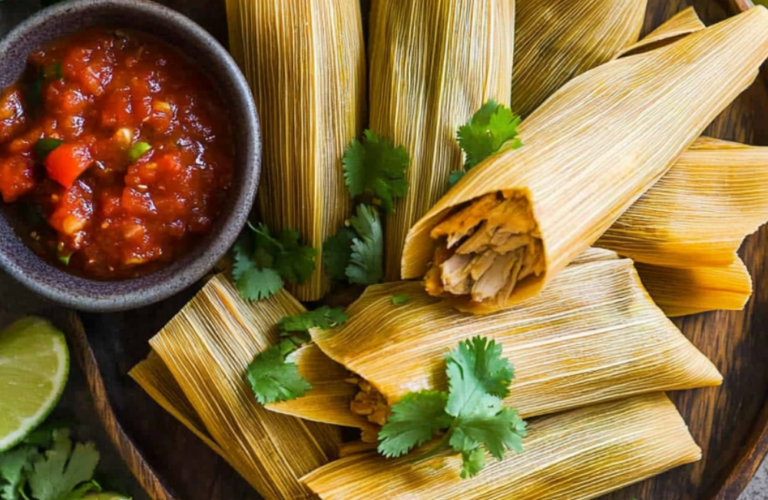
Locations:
column 699, row 213
column 590, row 151
column 153, row 376
column 683, row 23
column 691, row 290
column 576, row 455
column 558, row 41
column 594, row 335
column 305, row 62
column 432, row 64
column 207, row 348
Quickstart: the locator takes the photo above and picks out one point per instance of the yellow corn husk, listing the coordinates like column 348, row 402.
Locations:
column 305, row 62
column 557, row 41
column 589, row 153
column 328, row 400
column 683, row 23
column 153, row 376
column 699, row 213
column 691, row 290
column 577, row 455
column 207, row 348
column 432, row 64
column 594, row 335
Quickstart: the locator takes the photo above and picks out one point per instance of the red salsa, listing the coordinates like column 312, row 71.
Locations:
column 120, row 147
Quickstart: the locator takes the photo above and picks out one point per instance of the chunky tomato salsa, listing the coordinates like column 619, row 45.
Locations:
column 121, row 149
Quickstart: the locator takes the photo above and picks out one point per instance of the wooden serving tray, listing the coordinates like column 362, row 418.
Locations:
column 730, row 422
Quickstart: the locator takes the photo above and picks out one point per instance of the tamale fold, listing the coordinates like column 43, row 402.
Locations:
column 557, row 41
column 432, row 64
column 594, row 335
column 517, row 219
column 681, row 24
column 691, row 290
column 207, row 348
column 699, row 213
column 305, row 62
column 577, row 455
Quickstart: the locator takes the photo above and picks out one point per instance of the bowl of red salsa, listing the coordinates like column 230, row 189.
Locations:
column 129, row 153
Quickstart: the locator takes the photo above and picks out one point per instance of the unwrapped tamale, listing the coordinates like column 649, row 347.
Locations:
column 517, row 219
column 432, row 64
column 577, row 455
column 305, row 62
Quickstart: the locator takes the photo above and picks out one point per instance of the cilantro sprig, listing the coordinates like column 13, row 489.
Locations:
column 470, row 417
column 273, row 374
column 374, row 171
column 376, row 167
column 492, row 128
column 263, row 262
column 47, row 465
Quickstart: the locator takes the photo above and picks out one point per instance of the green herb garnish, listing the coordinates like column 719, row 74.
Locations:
column 263, row 262
column 138, row 150
column 357, row 250
column 492, row 128
column 400, row 299
column 375, row 167
column 273, row 374
column 470, row 417
column 43, row 147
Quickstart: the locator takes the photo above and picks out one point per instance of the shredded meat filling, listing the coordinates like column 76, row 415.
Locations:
column 371, row 404
column 486, row 248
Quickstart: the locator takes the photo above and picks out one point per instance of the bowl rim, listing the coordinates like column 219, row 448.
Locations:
column 120, row 295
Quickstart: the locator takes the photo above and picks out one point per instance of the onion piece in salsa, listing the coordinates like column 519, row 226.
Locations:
column 121, row 145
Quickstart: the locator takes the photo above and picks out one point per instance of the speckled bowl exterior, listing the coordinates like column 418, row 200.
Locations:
column 214, row 61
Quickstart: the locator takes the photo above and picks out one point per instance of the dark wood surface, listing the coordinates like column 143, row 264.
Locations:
column 728, row 422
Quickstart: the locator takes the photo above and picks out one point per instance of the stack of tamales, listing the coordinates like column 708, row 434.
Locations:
column 305, row 62
column 592, row 351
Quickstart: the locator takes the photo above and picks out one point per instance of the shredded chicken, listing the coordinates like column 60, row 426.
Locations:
column 371, row 404
column 486, row 248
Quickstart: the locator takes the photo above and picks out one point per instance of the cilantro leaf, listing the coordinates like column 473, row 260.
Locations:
column 262, row 263
column 12, row 465
column 61, row 469
column 400, row 299
column 492, row 128
column 375, row 166
column 366, row 263
column 323, row 317
column 273, row 377
column 473, row 461
column 337, row 251
column 476, row 369
column 413, row 422
column 471, row 415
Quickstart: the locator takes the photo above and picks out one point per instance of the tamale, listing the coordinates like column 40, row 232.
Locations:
column 699, row 213
column 691, row 290
column 557, row 41
column 305, row 62
column 207, row 348
column 594, row 335
column 153, row 376
column 576, row 455
column 683, row 23
column 432, row 64
column 517, row 219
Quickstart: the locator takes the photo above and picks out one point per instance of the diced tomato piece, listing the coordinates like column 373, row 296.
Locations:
column 67, row 162
column 17, row 177
column 117, row 110
column 137, row 203
column 12, row 118
column 74, row 210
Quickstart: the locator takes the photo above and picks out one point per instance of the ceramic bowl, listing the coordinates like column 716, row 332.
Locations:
column 213, row 60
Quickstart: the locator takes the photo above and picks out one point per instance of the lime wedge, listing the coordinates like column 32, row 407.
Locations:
column 34, row 365
column 106, row 496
